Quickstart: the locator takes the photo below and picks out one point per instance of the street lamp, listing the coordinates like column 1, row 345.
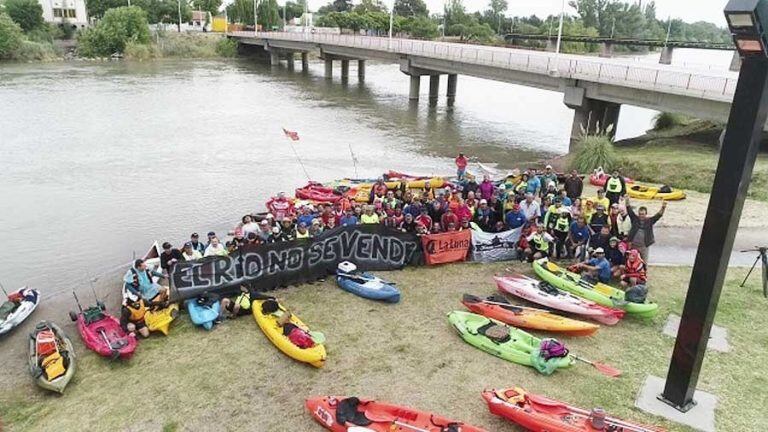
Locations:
column 391, row 23
column 255, row 19
column 560, row 29
column 747, row 20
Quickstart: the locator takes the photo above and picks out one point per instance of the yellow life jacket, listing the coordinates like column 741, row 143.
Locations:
column 613, row 185
column 563, row 224
column 53, row 365
column 137, row 314
column 302, row 236
column 522, row 186
column 244, row 301
column 540, row 242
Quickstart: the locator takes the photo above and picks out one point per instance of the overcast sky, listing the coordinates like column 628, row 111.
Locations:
column 687, row 10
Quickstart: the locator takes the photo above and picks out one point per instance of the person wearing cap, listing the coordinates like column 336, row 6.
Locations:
column 421, row 229
column 461, row 165
column 237, row 306
column 211, row 235
column 169, row 256
column 369, row 217
column 578, row 237
column 190, row 253
column 286, row 230
column 252, row 240
column 548, row 177
column 530, row 208
column 553, row 211
column 215, row 248
column 302, row 232
column 561, row 224
column 280, row 206
column 265, row 231
column 139, row 281
column 574, row 185
column 597, row 268
column 305, row 216
column 615, row 187
column 599, row 219
column 132, row 313
column 633, row 270
column 539, row 244
column 194, row 240
column 550, row 189
column 640, row 234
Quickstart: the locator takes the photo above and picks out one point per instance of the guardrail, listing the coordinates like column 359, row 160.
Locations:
column 659, row 78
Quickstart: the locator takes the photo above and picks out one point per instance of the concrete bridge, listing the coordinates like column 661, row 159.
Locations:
column 595, row 88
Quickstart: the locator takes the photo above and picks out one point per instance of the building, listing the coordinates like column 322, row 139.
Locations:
column 201, row 21
column 71, row 12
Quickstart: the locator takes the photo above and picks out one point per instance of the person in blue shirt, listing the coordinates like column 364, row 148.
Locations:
column 515, row 218
column 578, row 237
column 349, row 218
column 564, row 198
column 598, row 268
column 534, row 184
column 139, row 281
column 306, row 217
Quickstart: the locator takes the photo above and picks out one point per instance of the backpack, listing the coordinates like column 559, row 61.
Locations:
column 636, row 294
column 300, row 338
column 551, row 348
column 665, row 189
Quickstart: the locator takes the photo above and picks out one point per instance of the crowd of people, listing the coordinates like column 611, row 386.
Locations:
column 607, row 236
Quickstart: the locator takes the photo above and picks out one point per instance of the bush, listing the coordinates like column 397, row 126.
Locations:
column 138, row 51
column 594, row 151
column 421, row 27
column 43, row 34
column 28, row 14
column 226, row 47
column 667, row 120
column 11, row 36
column 118, row 27
column 29, row 50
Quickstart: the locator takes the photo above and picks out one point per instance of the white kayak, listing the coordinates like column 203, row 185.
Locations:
column 19, row 311
column 544, row 294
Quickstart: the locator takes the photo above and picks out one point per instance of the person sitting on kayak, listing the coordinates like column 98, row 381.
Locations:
column 237, row 306
column 598, row 268
column 633, row 270
column 280, row 206
column 296, row 335
column 538, row 244
column 138, row 281
column 132, row 314
column 189, row 253
column 615, row 187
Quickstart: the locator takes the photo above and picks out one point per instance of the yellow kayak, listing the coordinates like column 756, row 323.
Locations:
column 315, row 356
column 434, row 183
column 160, row 320
column 652, row 192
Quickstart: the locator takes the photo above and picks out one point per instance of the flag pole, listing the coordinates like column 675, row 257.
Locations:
column 290, row 142
column 354, row 159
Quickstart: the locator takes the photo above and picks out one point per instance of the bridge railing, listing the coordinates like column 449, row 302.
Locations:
column 698, row 84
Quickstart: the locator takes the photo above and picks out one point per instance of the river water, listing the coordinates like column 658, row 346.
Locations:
column 97, row 160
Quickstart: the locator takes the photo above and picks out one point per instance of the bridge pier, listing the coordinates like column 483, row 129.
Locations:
column 274, row 58
column 413, row 94
column 606, row 49
column 361, row 70
column 328, row 68
column 304, row 61
column 666, row 55
column 434, row 89
column 590, row 115
column 451, row 93
column 344, row 70
column 289, row 59
column 735, row 62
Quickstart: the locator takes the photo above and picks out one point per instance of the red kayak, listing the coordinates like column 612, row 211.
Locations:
column 599, row 178
column 341, row 414
column 403, row 176
column 541, row 414
column 317, row 192
column 102, row 333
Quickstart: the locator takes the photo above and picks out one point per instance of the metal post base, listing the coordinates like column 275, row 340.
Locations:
column 683, row 409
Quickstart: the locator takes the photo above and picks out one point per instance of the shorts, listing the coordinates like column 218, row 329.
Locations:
column 241, row 312
column 138, row 324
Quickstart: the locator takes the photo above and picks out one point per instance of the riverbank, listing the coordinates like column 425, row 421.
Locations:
column 405, row 353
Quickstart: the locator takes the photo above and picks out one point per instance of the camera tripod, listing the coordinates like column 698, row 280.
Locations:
column 762, row 255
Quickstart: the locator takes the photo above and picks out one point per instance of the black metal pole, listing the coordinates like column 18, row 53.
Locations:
column 734, row 171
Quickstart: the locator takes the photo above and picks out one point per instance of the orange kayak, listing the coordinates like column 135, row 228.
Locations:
column 526, row 317
column 540, row 414
column 341, row 414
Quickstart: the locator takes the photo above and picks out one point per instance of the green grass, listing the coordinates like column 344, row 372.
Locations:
column 683, row 157
column 232, row 378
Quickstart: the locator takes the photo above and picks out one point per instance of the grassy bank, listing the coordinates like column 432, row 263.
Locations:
column 232, row 378
column 182, row 45
column 684, row 157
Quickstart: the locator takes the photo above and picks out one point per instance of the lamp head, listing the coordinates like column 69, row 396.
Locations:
column 747, row 21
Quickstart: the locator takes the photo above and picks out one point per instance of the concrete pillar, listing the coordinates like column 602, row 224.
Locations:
column 415, row 86
column 289, row 59
column 735, row 62
column 304, row 62
column 345, row 69
column 361, row 70
column 328, row 68
column 551, row 45
column 606, row 49
column 434, row 89
column 666, row 55
column 590, row 115
column 274, row 58
column 451, row 93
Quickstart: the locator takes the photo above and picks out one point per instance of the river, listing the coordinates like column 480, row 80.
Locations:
column 97, row 160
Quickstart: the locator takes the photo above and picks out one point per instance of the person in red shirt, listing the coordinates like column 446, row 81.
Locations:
column 447, row 219
column 281, row 207
column 462, row 211
column 423, row 218
column 461, row 165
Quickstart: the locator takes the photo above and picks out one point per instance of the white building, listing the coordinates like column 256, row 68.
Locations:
column 70, row 11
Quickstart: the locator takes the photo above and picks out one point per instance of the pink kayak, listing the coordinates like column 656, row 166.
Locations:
column 535, row 291
column 599, row 179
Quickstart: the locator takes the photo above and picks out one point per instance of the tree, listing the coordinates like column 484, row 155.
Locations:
column 11, row 36
column 28, row 14
column 411, row 8
column 292, row 10
column 368, row 6
column 118, row 27
column 240, row 11
column 455, row 13
column 421, row 27
column 268, row 17
column 336, row 6
column 211, row 6
column 97, row 8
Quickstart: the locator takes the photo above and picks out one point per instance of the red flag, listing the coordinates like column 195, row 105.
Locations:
column 290, row 134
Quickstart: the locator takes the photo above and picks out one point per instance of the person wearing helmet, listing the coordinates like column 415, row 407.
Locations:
column 132, row 314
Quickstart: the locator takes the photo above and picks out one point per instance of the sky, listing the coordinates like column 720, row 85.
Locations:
column 687, row 10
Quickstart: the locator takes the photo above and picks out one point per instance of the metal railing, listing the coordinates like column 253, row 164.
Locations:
column 662, row 78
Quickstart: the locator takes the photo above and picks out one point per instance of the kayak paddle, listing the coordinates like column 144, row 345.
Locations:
column 604, row 369
column 380, row 418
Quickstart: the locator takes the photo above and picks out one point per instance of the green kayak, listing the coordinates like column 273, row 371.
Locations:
column 521, row 347
column 599, row 293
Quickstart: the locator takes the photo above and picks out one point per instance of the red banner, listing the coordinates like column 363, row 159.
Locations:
column 446, row 247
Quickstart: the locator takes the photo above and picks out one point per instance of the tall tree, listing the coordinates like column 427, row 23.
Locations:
column 367, row 6
column 211, row 6
column 455, row 13
column 268, row 17
column 414, row 8
column 28, row 14
column 497, row 8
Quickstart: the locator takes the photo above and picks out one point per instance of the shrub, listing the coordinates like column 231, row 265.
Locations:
column 226, row 47
column 28, row 14
column 30, row 50
column 594, row 151
column 11, row 36
column 667, row 120
column 118, row 27
column 43, row 34
column 138, row 51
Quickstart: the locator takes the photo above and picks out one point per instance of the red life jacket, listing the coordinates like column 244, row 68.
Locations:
column 300, row 338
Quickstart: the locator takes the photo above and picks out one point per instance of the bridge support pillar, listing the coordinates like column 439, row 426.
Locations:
column 735, row 62
column 274, row 58
column 451, row 93
column 328, row 68
column 304, row 62
column 345, row 69
column 361, row 70
column 413, row 94
column 666, row 55
column 590, row 115
column 289, row 60
column 434, row 89
column 551, row 45
column 606, row 49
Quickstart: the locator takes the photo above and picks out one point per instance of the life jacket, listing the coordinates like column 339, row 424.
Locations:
column 136, row 276
column 613, row 185
column 635, row 269
column 563, row 223
column 540, row 242
column 301, row 338
column 522, row 186
column 244, row 301
column 53, row 365
column 137, row 314
column 302, row 236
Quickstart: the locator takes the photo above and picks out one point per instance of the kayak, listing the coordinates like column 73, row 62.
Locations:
column 103, row 334
column 18, row 312
column 540, row 414
column 520, row 348
column 51, row 357
column 203, row 315
column 368, row 286
column 652, row 192
column 341, row 414
column 318, row 193
column 599, row 293
column 315, row 356
column 599, row 178
column 547, row 295
column 360, row 193
column 526, row 318
column 161, row 319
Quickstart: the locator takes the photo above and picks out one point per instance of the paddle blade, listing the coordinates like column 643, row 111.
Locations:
column 607, row 370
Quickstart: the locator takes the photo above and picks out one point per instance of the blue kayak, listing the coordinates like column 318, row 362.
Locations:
column 203, row 315
column 368, row 286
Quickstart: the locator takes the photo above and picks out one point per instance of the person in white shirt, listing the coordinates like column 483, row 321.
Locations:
column 530, row 208
column 215, row 248
column 249, row 226
column 189, row 253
